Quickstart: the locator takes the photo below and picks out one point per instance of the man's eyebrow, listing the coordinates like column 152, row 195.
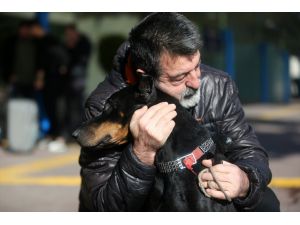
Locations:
column 184, row 73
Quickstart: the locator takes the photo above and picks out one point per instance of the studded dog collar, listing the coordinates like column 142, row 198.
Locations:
column 186, row 161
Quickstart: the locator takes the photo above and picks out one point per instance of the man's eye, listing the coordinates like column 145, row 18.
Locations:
column 178, row 79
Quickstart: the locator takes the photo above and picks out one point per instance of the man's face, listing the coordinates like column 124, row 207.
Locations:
column 180, row 77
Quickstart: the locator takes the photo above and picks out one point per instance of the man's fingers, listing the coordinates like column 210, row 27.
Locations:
column 153, row 126
column 135, row 118
column 157, row 121
column 165, row 120
column 207, row 177
column 165, row 113
column 213, row 185
column 221, row 177
column 167, row 130
column 222, row 168
column 153, row 110
column 207, row 162
column 139, row 113
column 230, row 177
column 217, row 194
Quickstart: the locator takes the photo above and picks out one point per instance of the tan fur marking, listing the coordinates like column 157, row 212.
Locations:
column 121, row 136
column 115, row 130
column 121, row 114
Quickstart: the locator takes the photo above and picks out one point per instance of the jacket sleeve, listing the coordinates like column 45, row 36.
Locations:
column 112, row 179
column 115, row 181
column 246, row 151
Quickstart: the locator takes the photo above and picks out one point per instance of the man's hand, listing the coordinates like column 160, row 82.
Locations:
column 150, row 129
column 233, row 180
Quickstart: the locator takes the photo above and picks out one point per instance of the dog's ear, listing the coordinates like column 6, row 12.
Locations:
column 146, row 92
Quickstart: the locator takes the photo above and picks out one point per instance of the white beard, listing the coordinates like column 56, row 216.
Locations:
column 191, row 101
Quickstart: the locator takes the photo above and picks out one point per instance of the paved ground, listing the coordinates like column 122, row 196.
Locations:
column 40, row 181
column 45, row 181
column 278, row 129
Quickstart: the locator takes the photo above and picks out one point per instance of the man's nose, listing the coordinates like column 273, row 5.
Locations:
column 193, row 80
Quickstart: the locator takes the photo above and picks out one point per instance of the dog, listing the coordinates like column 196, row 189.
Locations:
column 178, row 161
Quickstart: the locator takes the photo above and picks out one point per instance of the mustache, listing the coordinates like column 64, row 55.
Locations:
column 188, row 93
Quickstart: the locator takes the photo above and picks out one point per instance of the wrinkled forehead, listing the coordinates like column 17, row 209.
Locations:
column 178, row 64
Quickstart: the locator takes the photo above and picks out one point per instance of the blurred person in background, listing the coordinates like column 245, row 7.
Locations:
column 79, row 49
column 20, row 60
column 51, row 79
column 21, row 53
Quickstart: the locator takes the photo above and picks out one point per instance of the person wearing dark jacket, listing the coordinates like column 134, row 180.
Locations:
column 78, row 47
column 167, row 46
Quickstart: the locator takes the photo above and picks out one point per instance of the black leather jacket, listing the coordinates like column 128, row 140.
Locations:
column 115, row 180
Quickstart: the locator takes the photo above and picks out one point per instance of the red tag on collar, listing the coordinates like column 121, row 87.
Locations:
column 198, row 153
column 191, row 159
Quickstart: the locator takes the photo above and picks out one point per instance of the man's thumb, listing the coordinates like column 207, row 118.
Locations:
column 207, row 162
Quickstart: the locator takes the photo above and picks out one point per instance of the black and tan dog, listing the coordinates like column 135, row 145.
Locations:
column 178, row 162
